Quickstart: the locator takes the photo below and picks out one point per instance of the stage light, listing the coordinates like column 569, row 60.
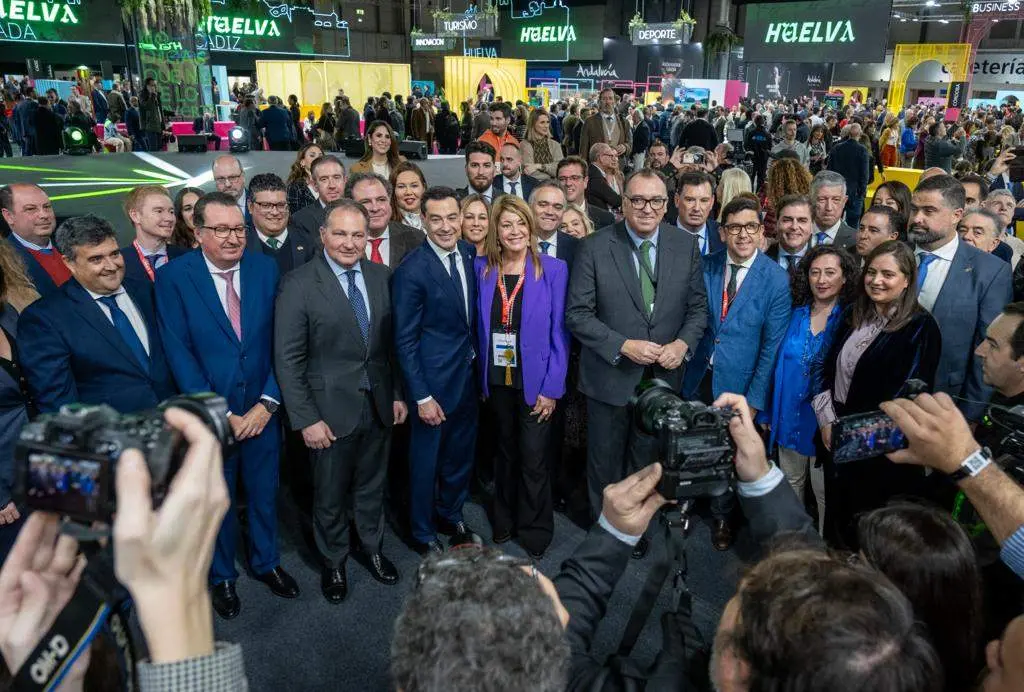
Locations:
column 238, row 138
column 75, row 141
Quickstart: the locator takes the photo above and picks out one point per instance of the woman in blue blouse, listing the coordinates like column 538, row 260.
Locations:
column 824, row 282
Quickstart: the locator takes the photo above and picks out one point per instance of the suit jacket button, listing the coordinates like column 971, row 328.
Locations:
column 718, row 341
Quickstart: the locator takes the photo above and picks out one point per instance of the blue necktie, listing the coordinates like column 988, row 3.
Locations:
column 924, row 259
column 545, row 246
column 822, row 237
column 512, row 189
column 156, row 260
column 457, row 280
column 124, row 327
column 355, row 298
column 704, row 244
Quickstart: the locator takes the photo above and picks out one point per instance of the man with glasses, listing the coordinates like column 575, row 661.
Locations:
column 151, row 212
column 216, row 312
column 230, row 179
column 572, row 174
column 269, row 232
column 748, row 310
column 637, row 305
column 604, row 187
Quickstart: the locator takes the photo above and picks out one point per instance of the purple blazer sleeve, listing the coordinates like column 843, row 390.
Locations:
column 556, row 280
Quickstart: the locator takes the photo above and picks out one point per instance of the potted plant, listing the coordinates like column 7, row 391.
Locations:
column 684, row 24
column 637, row 22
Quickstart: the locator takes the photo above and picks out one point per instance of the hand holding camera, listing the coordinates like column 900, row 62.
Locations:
column 938, row 433
column 751, row 460
column 630, row 504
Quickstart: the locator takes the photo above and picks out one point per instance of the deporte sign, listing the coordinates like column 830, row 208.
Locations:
column 819, row 31
column 656, row 35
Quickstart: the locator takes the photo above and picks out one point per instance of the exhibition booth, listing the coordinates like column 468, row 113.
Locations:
column 465, row 77
column 316, row 82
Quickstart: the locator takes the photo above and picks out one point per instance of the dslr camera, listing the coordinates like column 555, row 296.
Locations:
column 695, row 448
column 66, row 461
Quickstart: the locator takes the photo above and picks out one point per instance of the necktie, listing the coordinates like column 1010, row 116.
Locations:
column 273, row 243
column 730, row 290
column 512, row 189
column 704, row 244
column 453, row 257
column 923, row 259
column 124, row 327
column 375, row 255
column 545, row 245
column 156, row 260
column 358, row 302
column 234, row 303
column 822, row 238
column 46, row 251
column 646, row 274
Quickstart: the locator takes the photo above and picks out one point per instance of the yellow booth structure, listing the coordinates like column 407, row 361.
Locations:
column 463, row 77
column 316, row 82
column 954, row 56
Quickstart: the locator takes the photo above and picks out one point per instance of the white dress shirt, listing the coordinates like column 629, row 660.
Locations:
column 830, row 232
column 442, row 255
column 385, row 246
column 242, row 200
column 938, row 270
column 32, row 246
column 700, row 235
column 281, row 237
column 127, row 306
column 221, row 285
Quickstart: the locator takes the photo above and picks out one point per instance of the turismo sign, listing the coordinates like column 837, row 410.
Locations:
column 656, row 35
column 469, row 24
column 819, row 31
column 66, row 22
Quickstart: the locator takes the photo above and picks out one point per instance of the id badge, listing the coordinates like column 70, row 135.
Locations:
column 504, row 350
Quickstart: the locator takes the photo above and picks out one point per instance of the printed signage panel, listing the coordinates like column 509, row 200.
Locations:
column 550, row 30
column 425, row 43
column 469, row 24
column 819, row 31
column 656, row 35
column 273, row 28
column 84, row 22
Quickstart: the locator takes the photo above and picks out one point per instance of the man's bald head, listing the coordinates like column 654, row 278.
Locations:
column 229, row 176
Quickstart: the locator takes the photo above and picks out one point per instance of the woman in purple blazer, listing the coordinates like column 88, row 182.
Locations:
column 524, row 354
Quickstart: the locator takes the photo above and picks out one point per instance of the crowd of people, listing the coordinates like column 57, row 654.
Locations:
column 488, row 338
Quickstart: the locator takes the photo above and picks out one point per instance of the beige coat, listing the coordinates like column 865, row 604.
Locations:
column 547, row 170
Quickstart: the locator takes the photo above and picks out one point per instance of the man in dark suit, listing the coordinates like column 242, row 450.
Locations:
column 962, row 287
column 277, row 125
column 204, row 125
column 333, row 350
column 548, row 204
column 480, row 162
column 793, row 228
column 29, row 213
column 433, row 301
column 328, row 175
column 699, row 133
column 748, row 312
column 229, row 176
column 388, row 242
column 270, row 233
column 573, row 174
column 695, row 198
column 151, row 211
column 512, row 180
column 851, row 160
column 636, row 304
column 95, row 340
column 216, row 311
column 603, row 186
column 828, row 195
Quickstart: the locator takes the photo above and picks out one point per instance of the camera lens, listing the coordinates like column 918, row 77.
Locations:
column 651, row 399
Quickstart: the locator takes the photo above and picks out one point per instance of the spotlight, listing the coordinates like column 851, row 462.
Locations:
column 238, row 138
column 76, row 142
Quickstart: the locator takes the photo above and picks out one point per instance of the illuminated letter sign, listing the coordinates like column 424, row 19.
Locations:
column 810, row 32
column 242, row 26
column 987, row 7
column 39, row 20
column 817, row 31
column 656, row 34
column 432, row 43
column 547, row 34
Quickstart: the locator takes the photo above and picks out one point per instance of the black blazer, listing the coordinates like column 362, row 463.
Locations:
column 133, row 268
column 851, row 160
column 600, row 193
column 526, row 184
column 566, row 248
column 403, row 240
column 600, row 217
column 308, row 219
column 298, row 248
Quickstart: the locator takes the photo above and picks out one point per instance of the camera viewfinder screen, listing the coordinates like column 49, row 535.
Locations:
column 866, row 435
column 65, row 485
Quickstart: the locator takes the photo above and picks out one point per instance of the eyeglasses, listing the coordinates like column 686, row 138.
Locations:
column 468, row 554
column 564, row 179
column 639, row 203
column 272, row 206
column 225, row 179
column 737, row 228
column 222, row 232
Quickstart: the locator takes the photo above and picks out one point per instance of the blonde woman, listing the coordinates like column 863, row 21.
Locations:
column 576, row 223
column 19, row 291
column 476, row 218
column 541, row 153
column 733, row 182
column 521, row 329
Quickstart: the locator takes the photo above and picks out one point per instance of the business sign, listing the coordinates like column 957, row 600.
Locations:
column 272, row 28
column 995, row 7
column 656, row 34
column 432, row 43
column 957, row 95
column 549, row 30
column 469, row 24
column 61, row 21
column 823, row 30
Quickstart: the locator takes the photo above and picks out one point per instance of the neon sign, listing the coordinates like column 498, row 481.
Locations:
column 810, row 32
column 242, row 26
column 31, row 11
column 548, row 34
column 65, row 22
column 272, row 27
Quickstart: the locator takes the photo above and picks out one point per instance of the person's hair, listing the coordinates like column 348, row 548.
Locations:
column 933, row 129
column 346, row 203
column 393, row 157
column 826, row 179
column 437, row 193
column 643, row 174
column 135, row 198
column 897, row 223
column 472, row 620
column 899, row 191
column 694, row 179
column 325, row 109
column 587, row 223
column 81, row 230
column 554, row 184
column 1017, row 340
column 16, row 288
column 572, row 161
column 297, row 172
column 220, row 199
column 184, row 236
column 403, row 167
column 478, row 147
column 931, row 559
column 1001, row 193
column 979, row 181
column 738, row 204
column 357, row 178
column 861, row 630
column 952, row 192
column 471, row 199
column 657, row 143
column 531, row 122
column 815, row 130
column 733, row 182
column 492, row 244
column 321, row 160
column 906, row 305
column 792, row 201
column 787, row 177
column 801, row 285
column 505, row 108
column 265, row 182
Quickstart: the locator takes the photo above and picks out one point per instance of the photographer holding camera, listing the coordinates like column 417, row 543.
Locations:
column 162, row 556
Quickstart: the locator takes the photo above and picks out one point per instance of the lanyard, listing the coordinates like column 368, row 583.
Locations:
column 144, row 260
column 508, row 301
column 725, row 293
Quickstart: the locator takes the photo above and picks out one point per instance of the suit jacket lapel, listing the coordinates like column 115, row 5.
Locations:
column 667, row 257
column 958, row 267
column 332, row 292
column 751, row 281
column 95, row 318
column 622, row 254
column 203, row 281
column 715, row 285
column 487, row 287
column 468, row 256
column 375, row 289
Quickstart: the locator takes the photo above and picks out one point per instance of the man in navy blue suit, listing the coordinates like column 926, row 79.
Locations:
column 512, row 180
column 95, row 340
column 216, row 311
column 151, row 211
column 695, row 198
column 277, row 125
column 29, row 213
column 433, row 296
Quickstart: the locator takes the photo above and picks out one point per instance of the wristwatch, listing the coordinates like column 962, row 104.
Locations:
column 271, row 406
column 972, row 465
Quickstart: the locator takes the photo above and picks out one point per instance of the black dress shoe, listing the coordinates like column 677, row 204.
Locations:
column 334, row 583
column 535, row 554
column 225, row 600
column 280, row 582
column 641, row 548
column 381, row 568
column 434, row 546
column 464, row 535
column 721, row 535
column 502, row 537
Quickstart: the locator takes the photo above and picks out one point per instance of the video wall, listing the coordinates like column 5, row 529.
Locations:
column 782, row 80
column 273, row 28
column 551, row 30
column 817, row 31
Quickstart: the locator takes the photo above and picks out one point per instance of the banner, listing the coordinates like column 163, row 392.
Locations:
column 68, row 22
column 468, row 24
column 272, row 30
column 658, row 34
column 819, row 31
column 551, row 31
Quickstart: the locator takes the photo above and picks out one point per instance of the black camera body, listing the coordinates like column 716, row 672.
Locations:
column 695, row 448
column 66, row 461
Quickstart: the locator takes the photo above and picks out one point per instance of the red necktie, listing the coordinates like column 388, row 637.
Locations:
column 375, row 255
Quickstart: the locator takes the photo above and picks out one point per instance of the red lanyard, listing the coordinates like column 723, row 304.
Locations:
column 508, row 301
column 145, row 261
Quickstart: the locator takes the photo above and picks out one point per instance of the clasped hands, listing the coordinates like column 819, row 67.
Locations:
column 670, row 356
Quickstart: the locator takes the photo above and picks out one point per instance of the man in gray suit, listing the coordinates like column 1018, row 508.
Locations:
column 963, row 287
column 828, row 195
column 333, row 349
column 637, row 305
column 388, row 242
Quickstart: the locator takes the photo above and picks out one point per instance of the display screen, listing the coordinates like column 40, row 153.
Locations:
column 786, row 80
column 272, row 27
column 551, row 30
column 818, row 31
column 70, row 485
column 92, row 22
